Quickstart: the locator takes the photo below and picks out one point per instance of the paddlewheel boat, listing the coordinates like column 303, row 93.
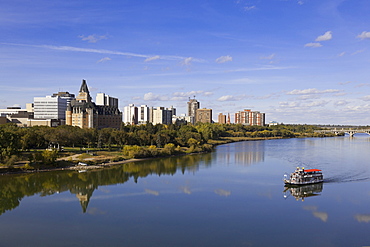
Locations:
column 303, row 176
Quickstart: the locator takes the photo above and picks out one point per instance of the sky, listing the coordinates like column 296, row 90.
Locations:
column 298, row 61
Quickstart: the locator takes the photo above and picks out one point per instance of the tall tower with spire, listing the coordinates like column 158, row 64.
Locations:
column 84, row 113
column 83, row 94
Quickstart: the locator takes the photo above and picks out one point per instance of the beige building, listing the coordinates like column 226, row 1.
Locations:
column 84, row 113
column 3, row 120
column 221, row 118
column 248, row 117
column 203, row 116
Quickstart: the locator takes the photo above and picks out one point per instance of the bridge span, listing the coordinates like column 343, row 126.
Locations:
column 350, row 131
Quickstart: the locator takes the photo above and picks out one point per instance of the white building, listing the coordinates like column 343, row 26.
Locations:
column 161, row 115
column 143, row 114
column 103, row 99
column 130, row 114
column 50, row 107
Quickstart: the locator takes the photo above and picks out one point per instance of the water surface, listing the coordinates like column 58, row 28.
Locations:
column 231, row 197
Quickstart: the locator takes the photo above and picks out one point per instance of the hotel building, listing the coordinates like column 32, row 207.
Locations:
column 84, row 113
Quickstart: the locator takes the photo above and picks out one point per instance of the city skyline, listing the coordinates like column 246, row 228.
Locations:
column 296, row 61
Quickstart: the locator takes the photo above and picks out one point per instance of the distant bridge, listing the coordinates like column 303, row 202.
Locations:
column 350, row 131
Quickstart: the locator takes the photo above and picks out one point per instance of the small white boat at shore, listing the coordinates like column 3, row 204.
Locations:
column 82, row 164
column 303, row 176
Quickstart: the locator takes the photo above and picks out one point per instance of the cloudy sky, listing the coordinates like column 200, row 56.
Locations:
column 299, row 61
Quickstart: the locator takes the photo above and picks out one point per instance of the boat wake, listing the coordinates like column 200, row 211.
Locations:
column 359, row 177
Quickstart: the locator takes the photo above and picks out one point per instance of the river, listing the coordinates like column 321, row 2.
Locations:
column 233, row 196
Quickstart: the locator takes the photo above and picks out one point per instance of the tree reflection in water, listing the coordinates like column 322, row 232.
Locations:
column 303, row 191
column 15, row 187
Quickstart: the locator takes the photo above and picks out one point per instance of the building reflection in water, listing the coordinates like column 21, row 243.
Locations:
column 245, row 153
column 83, row 184
column 303, row 191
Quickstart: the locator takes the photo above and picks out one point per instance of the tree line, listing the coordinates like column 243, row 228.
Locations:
column 15, row 139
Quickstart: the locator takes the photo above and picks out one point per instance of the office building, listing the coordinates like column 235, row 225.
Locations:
column 50, row 107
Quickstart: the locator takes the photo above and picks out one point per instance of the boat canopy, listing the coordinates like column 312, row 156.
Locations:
column 312, row 170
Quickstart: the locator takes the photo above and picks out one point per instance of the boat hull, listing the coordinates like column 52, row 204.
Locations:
column 288, row 183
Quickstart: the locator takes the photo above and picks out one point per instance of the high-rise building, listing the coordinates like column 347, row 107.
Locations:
column 193, row 106
column 248, row 117
column 84, row 113
column 203, row 115
column 130, row 114
column 143, row 113
column 161, row 115
column 103, row 99
column 221, row 118
column 65, row 95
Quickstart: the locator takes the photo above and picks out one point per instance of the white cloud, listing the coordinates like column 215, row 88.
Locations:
column 152, row 58
column 231, row 98
column 342, row 102
column 285, row 104
column 224, row 59
column 177, row 96
column 311, row 91
column 181, row 96
column 104, row 59
column 366, row 98
column 187, row 94
column 308, row 97
column 248, row 8
column 92, row 38
column 187, row 61
column 362, row 85
column 357, row 52
column 341, row 54
column 314, row 45
column 364, row 35
column 300, row 2
column 270, row 57
column 318, row 103
column 103, row 51
column 326, row 36
column 154, row 97
column 344, row 83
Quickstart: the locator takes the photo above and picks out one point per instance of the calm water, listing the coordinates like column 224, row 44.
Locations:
column 231, row 197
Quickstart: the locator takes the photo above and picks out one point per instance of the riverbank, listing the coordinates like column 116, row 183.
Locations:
column 84, row 161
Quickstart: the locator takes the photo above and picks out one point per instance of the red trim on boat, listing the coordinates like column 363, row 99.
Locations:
column 312, row 170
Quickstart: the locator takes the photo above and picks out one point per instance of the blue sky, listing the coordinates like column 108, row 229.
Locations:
column 298, row 61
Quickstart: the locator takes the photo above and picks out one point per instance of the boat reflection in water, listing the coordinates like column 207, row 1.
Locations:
column 303, row 191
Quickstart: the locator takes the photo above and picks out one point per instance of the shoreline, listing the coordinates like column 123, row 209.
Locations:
column 75, row 167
